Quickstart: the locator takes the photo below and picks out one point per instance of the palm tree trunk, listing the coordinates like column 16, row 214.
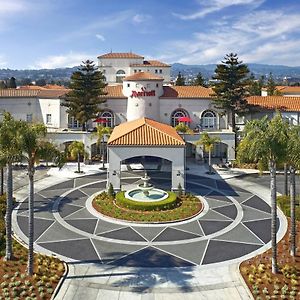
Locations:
column 30, row 221
column 293, row 214
column 9, row 202
column 209, row 161
column 102, row 152
column 272, row 166
column 2, row 181
column 78, row 162
column 285, row 179
column 233, row 124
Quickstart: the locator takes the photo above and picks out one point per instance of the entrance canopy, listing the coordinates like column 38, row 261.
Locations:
column 146, row 137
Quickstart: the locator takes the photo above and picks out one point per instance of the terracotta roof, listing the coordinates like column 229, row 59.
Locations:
column 120, row 55
column 17, row 93
column 186, row 92
column 151, row 63
column 30, row 87
column 52, row 94
column 142, row 76
column 114, row 91
column 288, row 89
column 276, row 102
column 145, row 132
column 54, row 87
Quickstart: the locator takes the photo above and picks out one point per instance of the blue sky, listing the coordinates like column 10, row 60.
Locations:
column 60, row 33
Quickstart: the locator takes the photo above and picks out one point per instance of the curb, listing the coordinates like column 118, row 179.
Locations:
column 61, row 281
column 242, row 281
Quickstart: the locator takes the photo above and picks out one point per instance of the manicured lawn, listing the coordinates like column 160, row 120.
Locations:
column 187, row 206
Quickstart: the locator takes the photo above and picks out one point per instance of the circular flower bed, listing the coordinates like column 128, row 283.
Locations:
column 179, row 208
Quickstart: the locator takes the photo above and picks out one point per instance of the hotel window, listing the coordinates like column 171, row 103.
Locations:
column 73, row 123
column 29, row 118
column 48, row 118
column 157, row 85
column 128, row 84
column 119, row 76
column 160, row 71
column 208, row 120
column 109, row 118
column 135, row 71
column 176, row 115
column 148, row 85
column 156, row 71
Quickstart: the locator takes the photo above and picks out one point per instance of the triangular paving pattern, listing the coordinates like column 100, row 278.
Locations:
column 87, row 225
column 63, row 185
column 85, row 180
column 68, row 209
column 126, row 234
column 223, row 185
column 190, row 251
column 171, row 234
column 151, row 258
column 218, row 251
column 44, row 212
column 149, row 233
column 58, row 232
column 217, row 196
column 192, row 227
column 212, row 215
column 197, row 189
column 80, row 201
column 40, row 225
column 112, row 251
column 215, row 203
column 83, row 213
column 240, row 234
column 210, row 227
column 251, row 214
column 82, row 250
column 229, row 211
column 53, row 194
column 73, row 196
column 103, row 226
column 258, row 203
column 91, row 190
column 242, row 196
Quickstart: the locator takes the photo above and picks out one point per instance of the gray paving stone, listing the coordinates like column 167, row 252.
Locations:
column 113, row 251
column 192, row 227
column 44, row 212
column 210, row 227
column 242, row 196
column 149, row 233
column 80, row 201
column 52, row 194
column 58, row 232
column 212, row 215
column 253, row 214
column 229, row 211
column 83, row 213
column 64, row 185
column 67, row 209
column 218, row 251
column 215, row 203
column 258, row 203
column 40, row 225
column 217, row 196
column 73, row 196
column 85, row 180
column 126, row 234
column 91, row 190
column 190, row 251
column 240, row 233
column 76, row 249
column 223, row 185
column 171, row 234
column 87, row 225
column 103, row 226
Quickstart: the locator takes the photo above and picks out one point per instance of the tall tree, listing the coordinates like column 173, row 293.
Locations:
column 83, row 101
column 230, row 88
column 208, row 143
column 10, row 152
column 199, row 80
column 3, row 85
column 267, row 141
column 180, row 80
column 254, row 86
column 101, row 132
column 77, row 151
column 271, row 86
column 12, row 83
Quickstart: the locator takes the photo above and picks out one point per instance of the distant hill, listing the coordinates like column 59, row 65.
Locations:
column 189, row 71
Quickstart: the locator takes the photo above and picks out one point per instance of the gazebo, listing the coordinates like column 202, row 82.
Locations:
column 145, row 137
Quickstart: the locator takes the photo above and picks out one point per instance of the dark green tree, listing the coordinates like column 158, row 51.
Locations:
column 180, row 80
column 12, row 83
column 231, row 88
column 199, row 80
column 271, row 85
column 2, row 85
column 254, row 86
column 84, row 99
column 41, row 82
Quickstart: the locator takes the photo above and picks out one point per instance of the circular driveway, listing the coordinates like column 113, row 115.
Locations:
column 234, row 224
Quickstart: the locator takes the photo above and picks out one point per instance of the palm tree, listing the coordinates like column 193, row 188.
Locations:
column 266, row 141
column 208, row 143
column 34, row 147
column 101, row 132
column 76, row 150
column 9, row 153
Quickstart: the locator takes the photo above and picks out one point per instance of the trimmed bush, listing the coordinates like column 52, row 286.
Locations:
column 165, row 204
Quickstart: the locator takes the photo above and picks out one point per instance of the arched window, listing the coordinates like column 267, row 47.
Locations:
column 208, row 119
column 179, row 113
column 120, row 75
column 109, row 117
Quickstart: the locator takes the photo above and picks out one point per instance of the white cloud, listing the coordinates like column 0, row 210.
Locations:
column 3, row 62
column 140, row 18
column 9, row 7
column 61, row 61
column 100, row 37
column 208, row 7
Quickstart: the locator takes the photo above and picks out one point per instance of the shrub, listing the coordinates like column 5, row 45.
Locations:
column 110, row 190
column 165, row 204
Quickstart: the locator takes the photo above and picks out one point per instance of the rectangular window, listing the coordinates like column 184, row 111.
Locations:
column 148, row 85
column 128, row 84
column 156, row 71
column 160, row 71
column 29, row 118
column 48, row 118
column 134, row 71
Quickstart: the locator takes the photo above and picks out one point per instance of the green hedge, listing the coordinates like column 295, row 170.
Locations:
column 169, row 203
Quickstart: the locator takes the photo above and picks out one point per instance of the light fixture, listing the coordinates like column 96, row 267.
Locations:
column 178, row 173
column 114, row 172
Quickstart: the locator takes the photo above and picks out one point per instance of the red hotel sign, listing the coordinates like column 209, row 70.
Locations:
column 142, row 93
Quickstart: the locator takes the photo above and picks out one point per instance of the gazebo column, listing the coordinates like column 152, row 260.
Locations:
column 114, row 171
column 178, row 170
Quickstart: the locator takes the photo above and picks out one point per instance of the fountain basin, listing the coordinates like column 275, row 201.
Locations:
column 153, row 195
